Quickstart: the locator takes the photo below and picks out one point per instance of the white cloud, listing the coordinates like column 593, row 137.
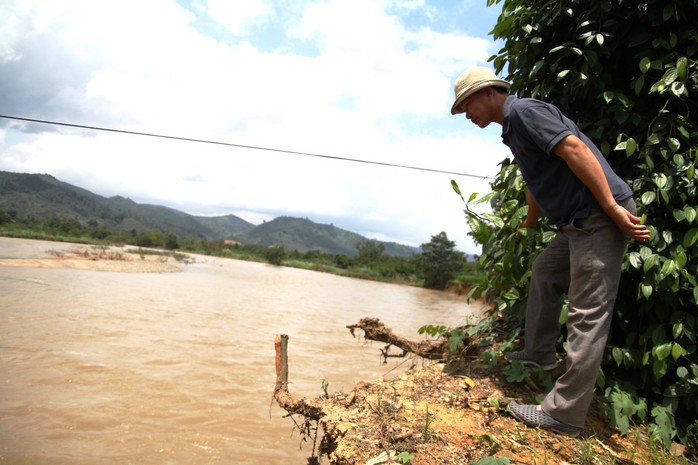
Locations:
column 345, row 79
column 239, row 17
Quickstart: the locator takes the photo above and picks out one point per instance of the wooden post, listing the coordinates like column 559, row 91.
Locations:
column 309, row 408
column 281, row 347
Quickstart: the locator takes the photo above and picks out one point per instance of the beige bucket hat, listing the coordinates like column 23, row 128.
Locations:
column 473, row 80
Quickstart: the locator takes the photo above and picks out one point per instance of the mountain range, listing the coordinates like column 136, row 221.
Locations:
column 42, row 196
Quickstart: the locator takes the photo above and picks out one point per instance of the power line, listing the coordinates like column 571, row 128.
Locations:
column 230, row 144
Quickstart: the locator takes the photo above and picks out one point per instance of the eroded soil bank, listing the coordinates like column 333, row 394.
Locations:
column 438, row 413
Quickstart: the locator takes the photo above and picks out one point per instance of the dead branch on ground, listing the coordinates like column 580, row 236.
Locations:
column 374, row 330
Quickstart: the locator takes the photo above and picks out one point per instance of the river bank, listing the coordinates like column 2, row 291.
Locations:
column 456, row 413
column 122, row 259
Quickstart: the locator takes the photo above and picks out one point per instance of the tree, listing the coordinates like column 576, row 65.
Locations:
column 627, row 73
column 171, row 241
column 275, row 254
column 4, row 217
column 369, row 252
column 439, row 262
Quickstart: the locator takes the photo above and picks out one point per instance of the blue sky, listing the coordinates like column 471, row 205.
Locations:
column 359, row 79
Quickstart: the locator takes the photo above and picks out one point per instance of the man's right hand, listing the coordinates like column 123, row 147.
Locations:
column 629, row 223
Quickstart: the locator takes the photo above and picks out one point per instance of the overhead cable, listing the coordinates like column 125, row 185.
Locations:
column 230, row 144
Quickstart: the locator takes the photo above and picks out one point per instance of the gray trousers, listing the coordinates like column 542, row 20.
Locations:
column 583, row 260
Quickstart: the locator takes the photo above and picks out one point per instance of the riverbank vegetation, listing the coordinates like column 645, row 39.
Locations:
column 627, row 73
column 441, row 266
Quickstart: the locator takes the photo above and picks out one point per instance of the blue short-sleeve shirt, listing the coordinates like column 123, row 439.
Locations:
column 531, row 129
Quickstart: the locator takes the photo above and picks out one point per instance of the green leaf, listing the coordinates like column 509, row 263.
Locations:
column 638, row 39
column 690, row 238
column 455, row 187
column 639, row 84
column 515, row 372
column 645, row 65
column 539, row 64
column 678, row 88
column 658, row 335
column 659, row 368
column 635, row 260
column 496, row 220
column 682, row 68
column 650, row 262
column 677, row 351
column 660, row 180
column 677, row 329
column 670, row 76
column 662, row 351
column 669, row 267
column 648, row 197
column 617, row 354
column 548, row 236
column 646, row 290
column 668, row 236
column 653, row 139
column 630, row 146
column 668, row 12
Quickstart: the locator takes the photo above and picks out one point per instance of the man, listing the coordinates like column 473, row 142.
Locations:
column 569, row 181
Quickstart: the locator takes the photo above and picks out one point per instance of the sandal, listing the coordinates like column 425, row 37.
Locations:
column 520, row 356
column 533, row 415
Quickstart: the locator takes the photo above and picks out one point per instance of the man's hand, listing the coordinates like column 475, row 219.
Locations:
column 531, row 221
column 629, row 223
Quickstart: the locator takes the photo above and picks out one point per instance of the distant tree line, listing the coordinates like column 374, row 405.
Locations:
column 439, row 264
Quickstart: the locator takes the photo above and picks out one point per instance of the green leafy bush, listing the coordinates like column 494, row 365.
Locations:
column 627, row 73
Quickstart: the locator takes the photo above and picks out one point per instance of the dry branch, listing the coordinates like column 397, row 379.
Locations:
column 374, row 330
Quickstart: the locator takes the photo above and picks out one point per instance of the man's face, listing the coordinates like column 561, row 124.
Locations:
column 477, row 108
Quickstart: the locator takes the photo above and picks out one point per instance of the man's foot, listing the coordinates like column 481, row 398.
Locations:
column 520, row 356
column 533, row 415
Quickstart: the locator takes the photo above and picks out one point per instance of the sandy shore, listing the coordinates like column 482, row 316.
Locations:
column 96, row 258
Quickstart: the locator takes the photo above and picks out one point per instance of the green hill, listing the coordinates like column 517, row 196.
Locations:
column 303, row 235
column 41, row 196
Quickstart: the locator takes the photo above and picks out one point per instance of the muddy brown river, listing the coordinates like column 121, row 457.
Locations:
column 104, row 367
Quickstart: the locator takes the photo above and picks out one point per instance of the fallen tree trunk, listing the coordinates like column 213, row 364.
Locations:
column 374, row 330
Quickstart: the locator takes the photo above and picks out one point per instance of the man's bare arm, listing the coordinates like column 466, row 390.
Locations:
column 586, row 167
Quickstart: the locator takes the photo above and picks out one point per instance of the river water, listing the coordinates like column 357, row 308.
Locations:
column 178, row 368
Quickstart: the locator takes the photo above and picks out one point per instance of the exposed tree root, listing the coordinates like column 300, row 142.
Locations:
column 374, row 330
